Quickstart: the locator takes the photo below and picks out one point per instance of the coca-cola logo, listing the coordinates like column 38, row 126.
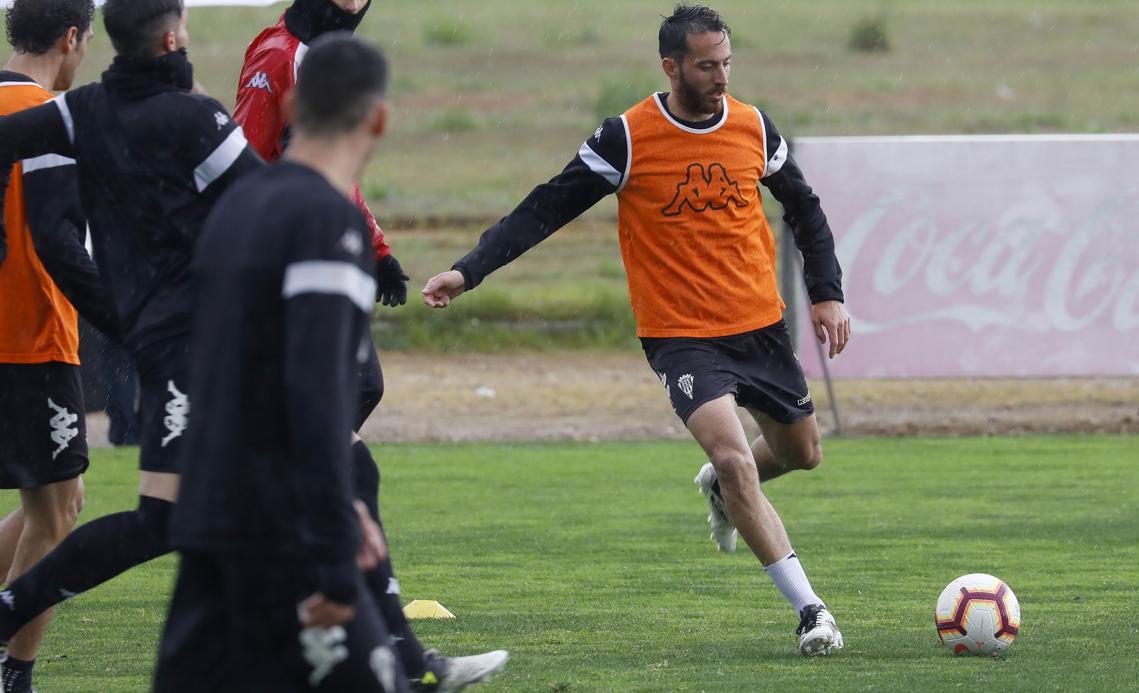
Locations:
column 1036, row 261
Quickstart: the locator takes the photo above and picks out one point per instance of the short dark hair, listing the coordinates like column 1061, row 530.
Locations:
column 135, row 26
column 35, row 25
column 339, row 82
column 685, row 20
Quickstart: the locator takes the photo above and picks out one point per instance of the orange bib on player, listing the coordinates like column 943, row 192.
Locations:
column 698, row 251
column 37, row 324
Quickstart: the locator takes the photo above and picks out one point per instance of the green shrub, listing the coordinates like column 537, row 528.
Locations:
column 869, row 36
column 447, row 33
column 619, row 93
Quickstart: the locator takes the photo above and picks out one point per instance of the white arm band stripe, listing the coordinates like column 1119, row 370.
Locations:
column 332, row 278
column 218, row 162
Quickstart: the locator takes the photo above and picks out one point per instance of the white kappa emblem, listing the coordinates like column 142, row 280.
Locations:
column 61, row 432
column 177, row 413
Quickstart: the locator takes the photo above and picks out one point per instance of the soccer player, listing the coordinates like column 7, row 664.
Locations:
column 686, row 166
column 45, row 273
column 269, row 594
column 267, row 76
column 151, row 159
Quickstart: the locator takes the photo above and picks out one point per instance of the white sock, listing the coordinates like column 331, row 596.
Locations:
column 789, row 577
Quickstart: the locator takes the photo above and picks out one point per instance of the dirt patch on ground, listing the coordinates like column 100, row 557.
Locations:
column 587, row 397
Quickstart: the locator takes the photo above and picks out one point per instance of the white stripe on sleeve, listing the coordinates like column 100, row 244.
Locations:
column 598, row 165
column 218, row 162
column 40, row 163
column 330, row 277
column 65, row 112
column 777, row 159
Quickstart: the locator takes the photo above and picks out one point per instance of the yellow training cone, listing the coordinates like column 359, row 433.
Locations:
column 426, row 608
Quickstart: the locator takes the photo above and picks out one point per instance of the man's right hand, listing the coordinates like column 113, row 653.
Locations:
column 316, row 611
column 444, row 287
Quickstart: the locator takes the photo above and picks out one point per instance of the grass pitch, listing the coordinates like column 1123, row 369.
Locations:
column 592, row 565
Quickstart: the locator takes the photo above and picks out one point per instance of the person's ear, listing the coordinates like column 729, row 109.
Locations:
column 379, row 120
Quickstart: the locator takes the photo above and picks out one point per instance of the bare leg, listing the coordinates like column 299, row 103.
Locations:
column 719, row 432
column 782, row 448
column 10, row 528
column 49, row 515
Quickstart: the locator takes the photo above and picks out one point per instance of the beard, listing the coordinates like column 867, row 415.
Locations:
column 696, row 101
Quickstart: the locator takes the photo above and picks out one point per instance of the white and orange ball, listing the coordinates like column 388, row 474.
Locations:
column 977, row 614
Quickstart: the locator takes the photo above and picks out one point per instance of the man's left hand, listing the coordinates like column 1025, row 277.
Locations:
column 831, row 322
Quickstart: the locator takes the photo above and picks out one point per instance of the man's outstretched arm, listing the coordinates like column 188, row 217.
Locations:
column 34, row 132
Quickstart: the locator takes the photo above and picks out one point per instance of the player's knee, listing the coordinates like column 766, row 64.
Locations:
column 735, row 468
column 811, row 457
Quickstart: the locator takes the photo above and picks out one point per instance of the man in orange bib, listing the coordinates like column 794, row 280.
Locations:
column 45, row 275
column 686, row 168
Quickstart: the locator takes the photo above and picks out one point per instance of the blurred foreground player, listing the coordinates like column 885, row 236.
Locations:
column 151, row 158
column 268, row 74
column 270, row 595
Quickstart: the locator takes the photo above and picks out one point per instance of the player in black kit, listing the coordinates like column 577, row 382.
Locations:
column 151, row 159
column 270, row 596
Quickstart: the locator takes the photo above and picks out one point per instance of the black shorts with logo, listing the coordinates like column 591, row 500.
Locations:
column 164, row 402
column 760, row 368
column 233, row 628
column 43, row 427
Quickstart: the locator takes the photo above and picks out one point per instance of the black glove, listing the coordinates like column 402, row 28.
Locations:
column 391, row 282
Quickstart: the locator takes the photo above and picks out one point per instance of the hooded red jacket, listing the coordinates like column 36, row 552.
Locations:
column 269, row 72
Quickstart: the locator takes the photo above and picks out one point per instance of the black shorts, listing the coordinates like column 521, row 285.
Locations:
column 43, row 427
column 164, row 403
column 233, row 627
column 760, row 368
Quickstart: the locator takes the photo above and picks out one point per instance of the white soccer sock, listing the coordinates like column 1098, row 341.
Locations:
column 789, row 577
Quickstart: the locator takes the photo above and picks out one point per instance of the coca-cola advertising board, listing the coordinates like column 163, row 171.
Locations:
column 982, row 256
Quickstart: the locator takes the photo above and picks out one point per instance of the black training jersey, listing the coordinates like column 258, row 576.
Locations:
column 601, row 167
column 283, row 298
column 151, row 159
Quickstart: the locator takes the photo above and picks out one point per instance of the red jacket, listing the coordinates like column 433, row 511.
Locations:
column 269, row 72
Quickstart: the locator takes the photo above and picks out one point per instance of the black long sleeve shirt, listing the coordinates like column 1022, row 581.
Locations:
column 600, row 167
column 283, row 295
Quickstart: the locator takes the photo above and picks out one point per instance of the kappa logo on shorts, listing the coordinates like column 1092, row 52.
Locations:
column 664, row 381
column 351, row 242
column 382, row 661
column 221, row 119
column 685, row 382
column 323, row 648
column 61, row 432
column 705, row 190
column 177, row 413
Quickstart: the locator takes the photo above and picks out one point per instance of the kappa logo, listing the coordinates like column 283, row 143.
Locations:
column 177, row 413
column 61, row 431
column 597, row 133
column 393, row 586
column 260, row 81
column 221, row 119
column 703, row 190
column 685, row 382
column 324, row 648
column 382, row 662
column 664, row 381
column 351, row 242
column 8, row 599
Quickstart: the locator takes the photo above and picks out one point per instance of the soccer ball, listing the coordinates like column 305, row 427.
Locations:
column 977, row 614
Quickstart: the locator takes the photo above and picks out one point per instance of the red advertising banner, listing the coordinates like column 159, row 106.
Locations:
column 982, row 256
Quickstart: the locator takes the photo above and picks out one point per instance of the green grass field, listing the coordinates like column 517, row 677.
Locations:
column 592, row 565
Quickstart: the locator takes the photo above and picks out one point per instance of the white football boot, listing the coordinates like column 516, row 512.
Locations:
column 723, row 529
column 459, row 672
column 818, row 633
